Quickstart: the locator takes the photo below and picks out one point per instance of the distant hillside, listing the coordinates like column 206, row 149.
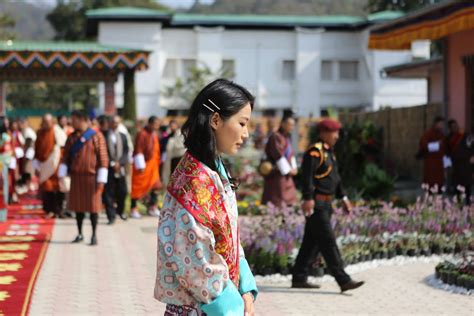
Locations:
column 286, row 7
column 30, row 19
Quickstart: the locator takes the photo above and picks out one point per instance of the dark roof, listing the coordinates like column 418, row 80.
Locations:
column 431, row 11
column 413, row 69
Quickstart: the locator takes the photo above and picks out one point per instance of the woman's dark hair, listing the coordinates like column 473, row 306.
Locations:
column 220, row 96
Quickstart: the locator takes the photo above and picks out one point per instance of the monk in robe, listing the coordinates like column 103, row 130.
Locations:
column 279, row 187
column 460, row 148
column 433, row 150
column 85, row 159
column 145, row 172
column 48, row 152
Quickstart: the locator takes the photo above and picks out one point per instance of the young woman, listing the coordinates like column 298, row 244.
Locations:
column 201, row 267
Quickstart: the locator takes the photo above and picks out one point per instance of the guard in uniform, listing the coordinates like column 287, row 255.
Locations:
column 321, row 184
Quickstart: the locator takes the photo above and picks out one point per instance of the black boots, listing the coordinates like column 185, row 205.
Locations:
column 94, row 241
column 78, row 239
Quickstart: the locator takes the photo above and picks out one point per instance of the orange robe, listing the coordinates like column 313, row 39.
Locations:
column 147, row 144
column 433, row 168
column 44, row 146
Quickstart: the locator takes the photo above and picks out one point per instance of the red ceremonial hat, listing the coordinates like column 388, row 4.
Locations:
column 328, row 124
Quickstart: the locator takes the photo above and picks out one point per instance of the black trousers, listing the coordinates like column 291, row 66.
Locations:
column 115, row 192
column 319, row 237
column 53, row 202
column 151, row 200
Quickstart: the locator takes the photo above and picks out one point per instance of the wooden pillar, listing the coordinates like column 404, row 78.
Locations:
column 129, row 96
column 3, row 103
column 110, row 108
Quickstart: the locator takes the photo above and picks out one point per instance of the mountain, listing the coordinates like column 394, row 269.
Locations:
column 284, row 7
column 30, row 19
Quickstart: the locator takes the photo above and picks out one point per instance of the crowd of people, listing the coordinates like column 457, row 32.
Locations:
column 94, row 164
column 448, row 159
column 80, row 164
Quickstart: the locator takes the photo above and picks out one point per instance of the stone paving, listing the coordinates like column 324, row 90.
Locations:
column 117, row 278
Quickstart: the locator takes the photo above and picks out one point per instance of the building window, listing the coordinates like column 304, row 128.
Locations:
column 326, row 70
column 171, row 69
column 288, row 70
column 187, row 67
column 349, row 70
column 228, row 68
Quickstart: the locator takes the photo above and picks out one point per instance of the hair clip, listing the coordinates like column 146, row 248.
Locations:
column 208, row 108
column 218, row 108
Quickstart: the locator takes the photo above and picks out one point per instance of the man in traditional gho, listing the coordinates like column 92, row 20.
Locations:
column 279, row 187
column 201, row 267
column 321, row 185
column 48, row 152
column 460, row 148
column 116, row 188
column 432, row 150
column 85, row 159
column 146, row 168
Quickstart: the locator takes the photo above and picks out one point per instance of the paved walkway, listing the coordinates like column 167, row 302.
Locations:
column 117, row 278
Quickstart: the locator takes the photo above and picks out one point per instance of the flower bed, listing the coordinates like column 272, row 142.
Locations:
column 458, row 272
column 432, row 225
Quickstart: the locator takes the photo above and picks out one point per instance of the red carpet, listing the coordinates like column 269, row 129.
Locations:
column 23, row 243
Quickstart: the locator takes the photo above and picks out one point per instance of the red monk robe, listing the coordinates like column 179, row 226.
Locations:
column 44, row 147
column 48, row 154
column 145, row 173
column 433, row 146
column 278, row 185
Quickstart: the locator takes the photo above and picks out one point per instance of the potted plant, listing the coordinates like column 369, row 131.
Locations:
column 391, row 253
column 443, row 273
column 423, row 246
column 435, row 245
column 468, row 281
column 461, row 280
column 452, row 277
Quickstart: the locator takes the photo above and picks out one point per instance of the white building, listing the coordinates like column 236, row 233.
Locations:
column 303, row 63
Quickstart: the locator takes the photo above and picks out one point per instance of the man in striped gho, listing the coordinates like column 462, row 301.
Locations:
column 85, row 159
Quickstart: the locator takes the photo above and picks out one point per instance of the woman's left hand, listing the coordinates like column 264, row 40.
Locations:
column 248, row 303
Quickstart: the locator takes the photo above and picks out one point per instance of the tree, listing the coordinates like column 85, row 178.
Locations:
column 284, row 7
column 6, row 22
column 129, row 99
column 68, row 18
column 186, row 89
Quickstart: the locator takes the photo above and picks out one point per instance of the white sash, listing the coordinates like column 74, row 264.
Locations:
column 50, row 165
